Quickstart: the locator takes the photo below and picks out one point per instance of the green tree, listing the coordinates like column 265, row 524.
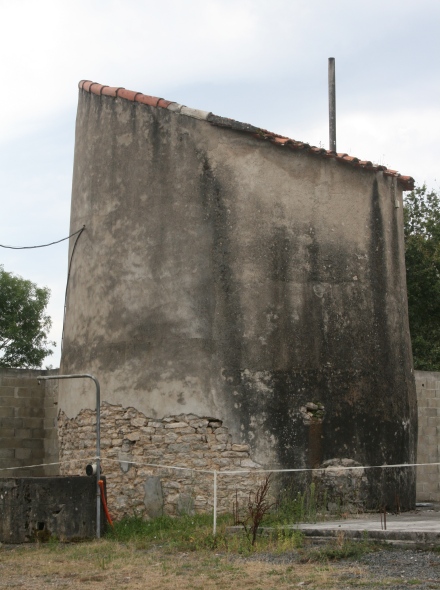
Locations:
column 24, row 326
column 422, row 254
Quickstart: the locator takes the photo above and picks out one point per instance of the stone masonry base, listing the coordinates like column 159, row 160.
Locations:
column 137, row 454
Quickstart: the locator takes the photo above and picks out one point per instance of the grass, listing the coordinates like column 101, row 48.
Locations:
column 294, row 506
column 112, row 564
column 194, row 533
column 182, row 552
column 341, row 548
column 176, row 553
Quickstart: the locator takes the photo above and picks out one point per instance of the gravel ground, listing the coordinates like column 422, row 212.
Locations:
column 416, row 568
column 395, row 568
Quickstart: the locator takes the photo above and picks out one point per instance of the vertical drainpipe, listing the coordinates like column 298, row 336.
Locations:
column 332, row 103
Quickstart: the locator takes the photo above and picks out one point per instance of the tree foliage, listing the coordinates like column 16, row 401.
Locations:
column 24, row 326
column 422, row 254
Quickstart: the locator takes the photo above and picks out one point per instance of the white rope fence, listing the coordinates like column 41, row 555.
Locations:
column 216, row 473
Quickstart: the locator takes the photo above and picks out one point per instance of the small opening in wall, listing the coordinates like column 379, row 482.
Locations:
column 40, row 526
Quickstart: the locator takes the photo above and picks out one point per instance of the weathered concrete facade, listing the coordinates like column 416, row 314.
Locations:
column 41, row 508
column 233, row 279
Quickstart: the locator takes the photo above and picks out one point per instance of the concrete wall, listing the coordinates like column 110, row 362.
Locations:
column 229, row 278
column 28, row 423
column 428, row 447
column 38, row 509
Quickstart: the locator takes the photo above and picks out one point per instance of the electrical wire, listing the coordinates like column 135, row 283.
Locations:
column 67, row 282
column 42, row 245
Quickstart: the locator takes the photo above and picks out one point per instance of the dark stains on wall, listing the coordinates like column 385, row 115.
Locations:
column 228, row 332
column 209, row 259
column 340, row 352
column 38, row 509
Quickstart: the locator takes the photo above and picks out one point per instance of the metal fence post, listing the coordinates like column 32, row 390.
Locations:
column 214, row 526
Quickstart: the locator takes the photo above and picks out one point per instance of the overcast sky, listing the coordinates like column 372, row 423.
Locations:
column 259, row 61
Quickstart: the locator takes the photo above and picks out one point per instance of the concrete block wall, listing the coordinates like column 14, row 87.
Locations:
column 428, row 446
column 28, row 413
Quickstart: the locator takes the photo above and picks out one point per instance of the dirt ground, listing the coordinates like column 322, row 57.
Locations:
column 104, row 564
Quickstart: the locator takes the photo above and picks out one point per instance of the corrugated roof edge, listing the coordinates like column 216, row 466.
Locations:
column 406, row 182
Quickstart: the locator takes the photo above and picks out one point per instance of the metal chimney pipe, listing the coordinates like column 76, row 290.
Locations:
column 332, row 103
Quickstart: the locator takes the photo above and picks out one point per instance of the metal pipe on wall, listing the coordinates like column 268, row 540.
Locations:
column 332, row 103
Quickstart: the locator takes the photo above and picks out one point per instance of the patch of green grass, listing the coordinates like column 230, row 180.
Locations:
column 181, row 533
column 340, row 548
column 194, row 533
column 294, row 506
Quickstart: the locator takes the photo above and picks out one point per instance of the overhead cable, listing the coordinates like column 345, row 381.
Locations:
column 42, row 245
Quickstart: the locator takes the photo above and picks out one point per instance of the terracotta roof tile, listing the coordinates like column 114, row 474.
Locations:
column 97, row 88
column 86, row 85
column 405, row 182
column 151, row 101
column 127, row 94
column 164, row 103
column 110, row 91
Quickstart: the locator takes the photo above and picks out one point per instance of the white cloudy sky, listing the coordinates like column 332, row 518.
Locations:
column 259, row 61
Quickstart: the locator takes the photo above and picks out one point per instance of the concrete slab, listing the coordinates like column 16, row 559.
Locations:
column 419, row 526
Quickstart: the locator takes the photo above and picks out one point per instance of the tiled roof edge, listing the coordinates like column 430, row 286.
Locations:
column 407, row 183
column 153, row 101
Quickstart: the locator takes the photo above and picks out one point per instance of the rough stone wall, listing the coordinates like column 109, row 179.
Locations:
column 28, row 434
column 343, row 488
column 131, row 443
column 428, row 449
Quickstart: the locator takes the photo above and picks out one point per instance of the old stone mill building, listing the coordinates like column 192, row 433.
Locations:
column 241, row 298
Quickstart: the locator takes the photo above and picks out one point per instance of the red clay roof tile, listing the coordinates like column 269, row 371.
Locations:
column 164, row 103
column 406, row 182
column 97, row 88
column 86, row 85
column 111, row 91
column 127, row 94
column 151, row 101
